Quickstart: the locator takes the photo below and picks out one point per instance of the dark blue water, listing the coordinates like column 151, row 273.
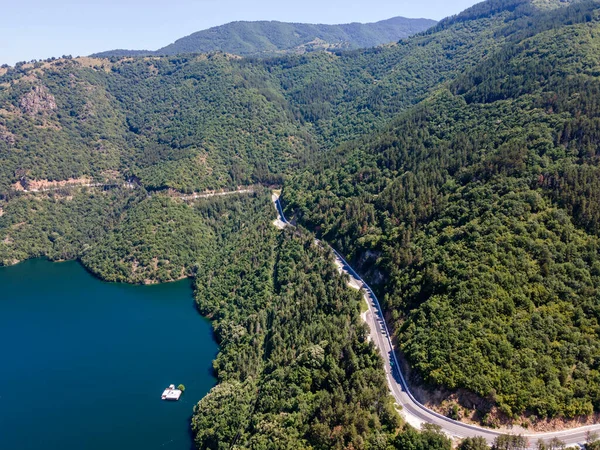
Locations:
column 83, row 363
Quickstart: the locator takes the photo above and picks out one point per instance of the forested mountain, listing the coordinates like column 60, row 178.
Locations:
column 476, row 212
column 205, row 121
column 270, row 38
column 458, row 168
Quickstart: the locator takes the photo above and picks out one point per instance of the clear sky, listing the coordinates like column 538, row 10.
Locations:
column 39, row 29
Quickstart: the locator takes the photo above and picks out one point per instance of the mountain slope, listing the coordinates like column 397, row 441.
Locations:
column 272, row 37
column 211, row 121
column 476, row 213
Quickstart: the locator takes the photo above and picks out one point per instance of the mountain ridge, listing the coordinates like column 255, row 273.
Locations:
column 272, row 37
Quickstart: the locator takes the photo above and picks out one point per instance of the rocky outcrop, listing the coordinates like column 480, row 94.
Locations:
column 38, row 100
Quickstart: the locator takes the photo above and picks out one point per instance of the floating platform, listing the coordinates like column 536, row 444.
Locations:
column 171, row 393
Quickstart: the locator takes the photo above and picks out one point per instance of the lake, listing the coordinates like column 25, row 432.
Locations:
column 84, row 362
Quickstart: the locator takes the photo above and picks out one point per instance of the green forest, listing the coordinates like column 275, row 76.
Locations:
column 295, row 368
column 458, row 170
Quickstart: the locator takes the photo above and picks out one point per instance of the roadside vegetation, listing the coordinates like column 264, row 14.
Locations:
column 296, row 369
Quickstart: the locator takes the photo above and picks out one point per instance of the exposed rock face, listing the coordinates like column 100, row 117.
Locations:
column 39, row 99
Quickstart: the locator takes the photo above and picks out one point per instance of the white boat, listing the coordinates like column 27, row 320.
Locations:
column 171, row 393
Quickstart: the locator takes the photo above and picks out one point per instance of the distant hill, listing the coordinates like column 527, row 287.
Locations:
column 271, row 37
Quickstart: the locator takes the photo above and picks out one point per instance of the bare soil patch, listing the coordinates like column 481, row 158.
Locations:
column 42, row 185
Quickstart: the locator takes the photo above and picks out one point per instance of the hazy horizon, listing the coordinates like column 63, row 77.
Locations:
column 66, row 27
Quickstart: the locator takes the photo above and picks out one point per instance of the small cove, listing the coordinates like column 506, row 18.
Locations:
column 84, row 362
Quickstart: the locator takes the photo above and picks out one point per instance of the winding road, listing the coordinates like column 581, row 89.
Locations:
column 413, row 411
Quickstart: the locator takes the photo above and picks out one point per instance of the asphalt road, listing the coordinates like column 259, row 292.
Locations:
column 414, row 412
